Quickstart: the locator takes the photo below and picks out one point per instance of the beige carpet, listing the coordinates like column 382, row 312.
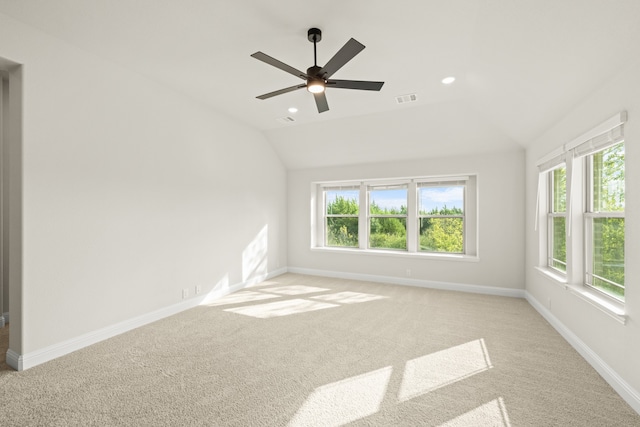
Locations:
column 302, row 350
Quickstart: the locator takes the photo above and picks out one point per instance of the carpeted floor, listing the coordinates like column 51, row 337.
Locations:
column 301, row 350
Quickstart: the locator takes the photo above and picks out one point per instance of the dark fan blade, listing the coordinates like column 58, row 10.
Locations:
column 278, row 64
column 355, row 84
column 344, row 55
column 321, row 102
column 281, row 91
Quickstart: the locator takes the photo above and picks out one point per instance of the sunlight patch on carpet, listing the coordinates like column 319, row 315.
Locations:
column 241, row 297
column 295, row 290
column 436, row 370
column 493, row 413
column 344, row 401
column 348, row 297
column 281, row 308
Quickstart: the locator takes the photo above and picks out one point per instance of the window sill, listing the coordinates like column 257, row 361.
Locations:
column 612, row 308
column 551, row 274
column 400, row 254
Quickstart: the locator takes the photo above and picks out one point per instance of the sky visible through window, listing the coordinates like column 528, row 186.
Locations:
column 439, row 197
column 430, row 197
column 332, row 195
column 390, row 199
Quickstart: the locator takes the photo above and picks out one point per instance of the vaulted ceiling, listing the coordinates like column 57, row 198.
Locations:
column 519, row 65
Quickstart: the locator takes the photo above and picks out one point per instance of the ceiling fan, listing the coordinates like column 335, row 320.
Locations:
column 318, row 78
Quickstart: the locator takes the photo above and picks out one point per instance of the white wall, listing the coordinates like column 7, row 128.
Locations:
column 501, row 221
column 131, row 193
column 617, row 345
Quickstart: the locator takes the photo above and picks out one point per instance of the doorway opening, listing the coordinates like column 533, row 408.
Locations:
column 10, row 213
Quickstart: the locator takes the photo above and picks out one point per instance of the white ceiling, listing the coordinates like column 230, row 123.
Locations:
column 520, row 65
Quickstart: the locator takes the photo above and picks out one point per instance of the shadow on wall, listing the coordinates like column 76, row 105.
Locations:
column 254, row 267
column 254, row 257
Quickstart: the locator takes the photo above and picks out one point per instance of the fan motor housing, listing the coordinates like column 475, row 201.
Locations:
column 315, row 72
column 314, row 35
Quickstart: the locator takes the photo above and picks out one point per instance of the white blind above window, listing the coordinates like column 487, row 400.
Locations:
column 600, row 142
column 606, row 134
column 546, row 164
column 341, row 188
column 388, row 187
column 441, row 183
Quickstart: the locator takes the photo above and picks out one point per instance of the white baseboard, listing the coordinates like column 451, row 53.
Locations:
column 25, row 361
column 460, row 287
column 628, row 393
column 13, row 359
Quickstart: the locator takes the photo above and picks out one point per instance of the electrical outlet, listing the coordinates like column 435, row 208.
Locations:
column 408, row 272
column 198, row 289
column 185, row 293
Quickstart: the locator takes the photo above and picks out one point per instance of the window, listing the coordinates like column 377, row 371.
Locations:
column 427, row 216
column 604, row 221
column 441, row 217
column 388, row 217
column 581, row 192
column 557, row 219
column 341, row 216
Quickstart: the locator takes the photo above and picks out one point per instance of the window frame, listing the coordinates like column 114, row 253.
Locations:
column 470, row 222
column 579, row 223
column 371, row 216
column 589, row 215
column 551, row 215
column 443, row 184
column 327, row 215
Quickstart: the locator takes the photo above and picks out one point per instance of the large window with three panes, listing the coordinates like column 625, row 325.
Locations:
column 416, row 215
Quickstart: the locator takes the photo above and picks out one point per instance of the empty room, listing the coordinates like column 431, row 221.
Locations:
column 292, row 213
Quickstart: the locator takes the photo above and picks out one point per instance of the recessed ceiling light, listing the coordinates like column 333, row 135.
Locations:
column 293, row 110
column 448, row 80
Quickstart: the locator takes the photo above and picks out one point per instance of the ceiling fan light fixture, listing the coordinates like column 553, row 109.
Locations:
column 316, row 86
column 317, row 78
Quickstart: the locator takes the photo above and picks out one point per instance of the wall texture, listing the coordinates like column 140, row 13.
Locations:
column 131, row 193
column 617, row 345
column 500, row 223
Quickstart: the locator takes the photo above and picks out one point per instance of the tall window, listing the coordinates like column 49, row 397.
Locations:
column 424, row 215
column 581, row 194
column 557, row 219
column 441, row 217
column 388, row 217
column 604, row 221
column 341, row 216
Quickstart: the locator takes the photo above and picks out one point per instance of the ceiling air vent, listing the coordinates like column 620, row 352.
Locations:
column 403, row 99
column 286, row 119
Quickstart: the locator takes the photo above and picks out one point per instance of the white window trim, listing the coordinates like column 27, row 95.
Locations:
column 470, row 222
column 588, row 217
column 369, row 216
column 604, row 135
column 550, row 215
column 614, row 309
